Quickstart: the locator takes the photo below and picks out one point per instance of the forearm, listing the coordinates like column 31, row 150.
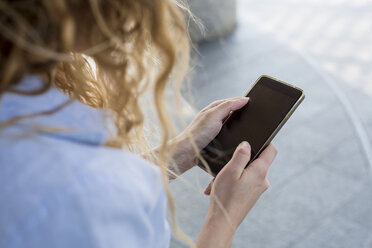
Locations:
column 216, row 232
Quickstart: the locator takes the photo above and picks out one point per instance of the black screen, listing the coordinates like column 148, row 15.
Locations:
column 269, row 103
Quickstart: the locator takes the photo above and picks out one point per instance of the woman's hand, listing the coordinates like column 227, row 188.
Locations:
column 205, row 126
column 208, row 122
column 233, row 193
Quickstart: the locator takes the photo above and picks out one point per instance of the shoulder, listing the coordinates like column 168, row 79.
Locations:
column 80, row 195
column 121, row 172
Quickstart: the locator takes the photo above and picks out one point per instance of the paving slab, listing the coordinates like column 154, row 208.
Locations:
column 294, row 210
column 334, row 229
column 320, row 194
column 358, row 208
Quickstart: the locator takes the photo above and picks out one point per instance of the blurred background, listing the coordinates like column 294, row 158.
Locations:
column 320, row 194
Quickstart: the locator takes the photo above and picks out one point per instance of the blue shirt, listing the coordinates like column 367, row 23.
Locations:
column 62, row 188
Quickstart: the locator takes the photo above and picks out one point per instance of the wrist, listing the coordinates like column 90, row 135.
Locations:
column 217, row 232
column 185, row 151
column 221, row 222
column 184, row 154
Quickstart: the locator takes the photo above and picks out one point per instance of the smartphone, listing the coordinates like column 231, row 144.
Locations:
column 271, row 103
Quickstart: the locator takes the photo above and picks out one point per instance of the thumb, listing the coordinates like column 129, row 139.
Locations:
column 239, row 160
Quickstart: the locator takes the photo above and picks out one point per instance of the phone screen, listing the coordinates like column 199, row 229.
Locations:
column 269, row 103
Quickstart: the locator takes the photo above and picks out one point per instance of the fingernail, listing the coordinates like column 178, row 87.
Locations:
column 244, row 144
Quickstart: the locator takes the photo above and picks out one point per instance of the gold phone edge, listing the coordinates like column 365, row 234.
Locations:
column 302, row 97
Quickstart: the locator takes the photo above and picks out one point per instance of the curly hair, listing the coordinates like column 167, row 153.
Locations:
column 104, row 53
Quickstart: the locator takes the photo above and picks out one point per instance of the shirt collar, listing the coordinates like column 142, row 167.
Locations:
column 75, row 122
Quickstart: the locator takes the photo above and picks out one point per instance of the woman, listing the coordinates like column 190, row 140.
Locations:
column 72, row 73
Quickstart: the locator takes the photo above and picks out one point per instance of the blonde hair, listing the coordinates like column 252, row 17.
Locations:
column 109, row 64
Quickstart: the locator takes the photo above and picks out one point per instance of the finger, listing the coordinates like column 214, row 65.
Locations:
column 215, row 103
column 268, row 155
column 225, row 118
column 208, row 190
column 222, row 110
column 218, row 102
column 239, row 160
